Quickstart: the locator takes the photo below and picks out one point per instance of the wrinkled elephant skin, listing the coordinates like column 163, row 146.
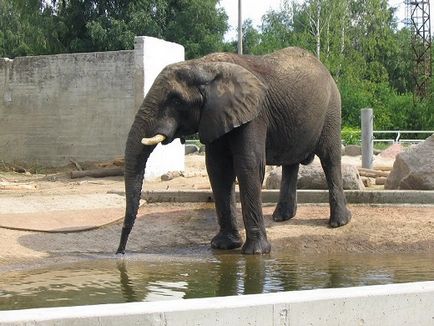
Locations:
column 250, row 111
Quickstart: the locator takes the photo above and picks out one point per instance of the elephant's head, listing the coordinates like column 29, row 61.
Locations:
column 211, row 98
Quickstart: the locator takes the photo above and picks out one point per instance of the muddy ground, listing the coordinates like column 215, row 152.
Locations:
column 186, row 229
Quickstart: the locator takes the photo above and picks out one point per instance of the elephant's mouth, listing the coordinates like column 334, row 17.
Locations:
column 167, row 138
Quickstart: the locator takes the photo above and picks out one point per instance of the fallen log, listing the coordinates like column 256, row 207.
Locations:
column 97, row 173
column 4, row 185
column 372, row 173
column 380, row 181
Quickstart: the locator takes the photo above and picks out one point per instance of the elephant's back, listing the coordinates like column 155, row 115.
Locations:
column 295, row 61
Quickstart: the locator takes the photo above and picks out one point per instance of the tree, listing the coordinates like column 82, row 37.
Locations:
column 27, row 28
column 197, row 24
column 42, row 27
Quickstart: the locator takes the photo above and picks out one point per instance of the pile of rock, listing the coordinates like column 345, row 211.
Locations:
column 414, row 168
column 312, row 177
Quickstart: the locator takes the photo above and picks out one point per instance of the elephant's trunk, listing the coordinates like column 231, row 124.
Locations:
column 136, row 156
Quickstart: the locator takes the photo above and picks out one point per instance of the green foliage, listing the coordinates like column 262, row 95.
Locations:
column 358, row 40
column 351, row 136
column 43, row 27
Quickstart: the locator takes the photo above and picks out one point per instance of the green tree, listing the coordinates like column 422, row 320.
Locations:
column 27, row 28
column 197, row 24
column 42, row 27
column 100, row 25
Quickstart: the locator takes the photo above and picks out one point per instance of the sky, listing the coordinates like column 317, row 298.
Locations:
column 255, row 9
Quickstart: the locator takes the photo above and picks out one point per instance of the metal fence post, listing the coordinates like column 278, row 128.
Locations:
column 367, row 120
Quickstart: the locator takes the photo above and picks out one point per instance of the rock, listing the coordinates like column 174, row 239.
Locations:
column 353, row 150
column 312, row 177
column 202, row 149
column 190, row 149
column 391, row 151
column 170, row 175
column 414, row 168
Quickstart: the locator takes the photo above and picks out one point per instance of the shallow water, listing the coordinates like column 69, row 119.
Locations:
column 132, row 280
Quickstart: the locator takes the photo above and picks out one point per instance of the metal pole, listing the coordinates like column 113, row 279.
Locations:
column 367, row 120
column 240, row 29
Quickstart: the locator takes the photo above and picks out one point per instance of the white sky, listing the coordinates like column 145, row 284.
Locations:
column 255, row 9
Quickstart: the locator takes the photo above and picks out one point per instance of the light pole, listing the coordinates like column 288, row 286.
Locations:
column 240, row 29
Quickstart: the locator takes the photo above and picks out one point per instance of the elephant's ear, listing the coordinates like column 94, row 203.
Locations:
column 232, row 95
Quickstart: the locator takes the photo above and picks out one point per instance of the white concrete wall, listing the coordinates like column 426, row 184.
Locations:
column 58, row 107
column 151, row 56
column 394, row 305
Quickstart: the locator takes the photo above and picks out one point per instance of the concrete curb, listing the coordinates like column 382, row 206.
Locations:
column 303, row 196
column 393, row 304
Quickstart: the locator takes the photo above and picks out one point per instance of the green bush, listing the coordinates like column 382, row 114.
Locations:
column 350, row 136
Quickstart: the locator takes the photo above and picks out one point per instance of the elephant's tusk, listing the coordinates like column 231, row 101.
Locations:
column 153, row 140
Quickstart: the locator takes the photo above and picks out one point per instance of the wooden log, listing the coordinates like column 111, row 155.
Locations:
column 380, row 181
column 119, row 161
column 4, row 185
column 19, row 169
column 76, row 164
column 367, row 181
column 97, row 173
column 372, row 173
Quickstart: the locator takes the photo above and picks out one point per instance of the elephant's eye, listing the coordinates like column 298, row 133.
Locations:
column 176, row 100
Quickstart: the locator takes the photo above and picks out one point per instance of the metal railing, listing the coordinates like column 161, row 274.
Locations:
column 398, row 133
column 368, row 139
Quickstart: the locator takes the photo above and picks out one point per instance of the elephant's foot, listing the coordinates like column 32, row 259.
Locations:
column 226, row 240
column 340, row 218
column 284, row 212
column 257, row 246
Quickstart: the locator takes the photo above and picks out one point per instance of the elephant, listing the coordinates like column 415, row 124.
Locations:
column 281, row 108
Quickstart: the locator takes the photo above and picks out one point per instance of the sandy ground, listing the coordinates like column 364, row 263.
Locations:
column 187, row 228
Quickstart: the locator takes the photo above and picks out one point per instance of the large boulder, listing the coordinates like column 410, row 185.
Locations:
column 353, row 150
column 312, row 177
column 414, row 168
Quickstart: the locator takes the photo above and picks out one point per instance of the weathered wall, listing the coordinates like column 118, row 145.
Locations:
column 66, row 106
column 81, row 106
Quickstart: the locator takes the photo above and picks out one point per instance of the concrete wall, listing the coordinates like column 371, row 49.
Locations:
column 394, row 305
column 152, row 55
column 81, row 106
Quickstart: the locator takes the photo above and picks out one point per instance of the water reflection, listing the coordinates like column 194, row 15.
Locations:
column 127, row 287
column 220, row 274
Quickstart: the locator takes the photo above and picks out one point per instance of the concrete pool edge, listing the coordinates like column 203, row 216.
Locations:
column 392, row 304
column 303, row 196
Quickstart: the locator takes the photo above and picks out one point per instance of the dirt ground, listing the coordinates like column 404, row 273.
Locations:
column 187, row 228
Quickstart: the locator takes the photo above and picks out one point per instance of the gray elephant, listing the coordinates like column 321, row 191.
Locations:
column 277, row 109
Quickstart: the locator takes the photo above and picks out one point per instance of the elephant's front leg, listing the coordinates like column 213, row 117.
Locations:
column 248, row 149
column 222, row 178
column 250, row 177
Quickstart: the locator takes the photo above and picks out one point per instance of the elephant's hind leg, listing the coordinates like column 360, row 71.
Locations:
column 287, row 204
column 330, row 156
column 222, row 177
